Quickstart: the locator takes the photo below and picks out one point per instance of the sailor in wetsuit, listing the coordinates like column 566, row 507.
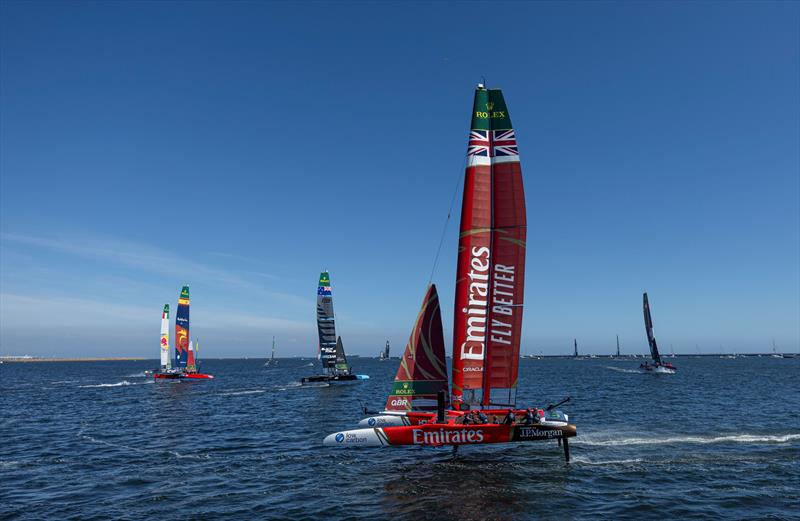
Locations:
column 510, row 418
column 467, row 419
column 481, row 418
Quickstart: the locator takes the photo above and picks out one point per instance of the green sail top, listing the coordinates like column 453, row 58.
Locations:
column 185, row 292
column 324, row 279
column 489, row 111
column 166, row 309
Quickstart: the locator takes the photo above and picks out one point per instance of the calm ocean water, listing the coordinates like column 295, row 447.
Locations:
column 721, row 439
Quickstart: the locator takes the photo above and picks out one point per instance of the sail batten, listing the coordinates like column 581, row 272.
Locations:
column 491, row 260
column 423, row 371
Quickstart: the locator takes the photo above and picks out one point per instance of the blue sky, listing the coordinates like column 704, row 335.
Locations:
column 243, row 147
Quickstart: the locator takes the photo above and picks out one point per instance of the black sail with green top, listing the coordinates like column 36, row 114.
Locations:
column 326, row 326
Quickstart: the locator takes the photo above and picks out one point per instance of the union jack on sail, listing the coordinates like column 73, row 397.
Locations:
column 504, row 143
column 478, row 143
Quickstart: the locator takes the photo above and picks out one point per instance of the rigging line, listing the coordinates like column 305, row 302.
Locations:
column 447, row 219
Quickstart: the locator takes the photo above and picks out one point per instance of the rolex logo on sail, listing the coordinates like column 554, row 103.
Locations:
column 474, row 347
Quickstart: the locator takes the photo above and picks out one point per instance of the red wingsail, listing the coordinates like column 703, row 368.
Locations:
column 423, row 370
column 491, row 260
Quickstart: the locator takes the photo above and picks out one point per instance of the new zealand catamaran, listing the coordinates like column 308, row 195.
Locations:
column 331, row 350
column 658, row 366
column 184, row 365
column 481, row 406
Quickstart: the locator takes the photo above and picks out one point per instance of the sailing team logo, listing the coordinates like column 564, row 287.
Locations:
column 339, row 438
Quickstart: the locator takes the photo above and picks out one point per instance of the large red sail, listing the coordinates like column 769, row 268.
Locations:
column 423, row 370
column 491, row 260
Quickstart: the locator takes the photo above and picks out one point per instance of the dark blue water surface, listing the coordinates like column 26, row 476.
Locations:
column 720, row 439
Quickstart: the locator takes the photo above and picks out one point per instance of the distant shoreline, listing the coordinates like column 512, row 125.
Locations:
column 34, row 359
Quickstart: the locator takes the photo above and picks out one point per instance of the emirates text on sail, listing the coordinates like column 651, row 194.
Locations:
column 474, row 347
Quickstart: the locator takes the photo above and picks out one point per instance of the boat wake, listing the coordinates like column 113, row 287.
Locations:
column 297, row 385
column 754, row 439
column 587, row 461
column 621, row 370
column 64, row 382
column 118, row 384
column 239, row 393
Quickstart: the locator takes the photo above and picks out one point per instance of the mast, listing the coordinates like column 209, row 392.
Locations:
column 423, row 369
column 182, row 329
column 648, row 326
column 491, row 260
column 575, row 343
column 617, row 346
column 272, row 358
column 326, row 326
column 166, row 364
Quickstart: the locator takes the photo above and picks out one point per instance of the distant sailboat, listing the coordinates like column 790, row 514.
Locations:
column 658, row 366
column 185, row 364
column 617, row 346
column 272, row 360
column 331, row 349
column 384, row 355
column 575, row 344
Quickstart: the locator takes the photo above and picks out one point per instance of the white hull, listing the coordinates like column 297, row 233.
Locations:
column 357, row 437
column 385, row 420
column 659, row 370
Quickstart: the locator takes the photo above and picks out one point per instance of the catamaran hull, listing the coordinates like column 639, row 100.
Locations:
column 399, row 419
column 332, row 379
column 182, row 376
column 441, row 435
column 659, row 369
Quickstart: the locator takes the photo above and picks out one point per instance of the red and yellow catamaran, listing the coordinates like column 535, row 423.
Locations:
column 480, row 406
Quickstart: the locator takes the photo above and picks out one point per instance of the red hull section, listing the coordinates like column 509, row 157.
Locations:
column 182, row 376
column 437, row 435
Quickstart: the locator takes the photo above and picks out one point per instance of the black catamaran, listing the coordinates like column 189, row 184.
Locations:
column 331, row 349
column 272, row 361
column 658, row 365
column 384, row 355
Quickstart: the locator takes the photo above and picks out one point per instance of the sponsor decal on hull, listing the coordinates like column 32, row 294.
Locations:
column 358, row 437
column 447, row 437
